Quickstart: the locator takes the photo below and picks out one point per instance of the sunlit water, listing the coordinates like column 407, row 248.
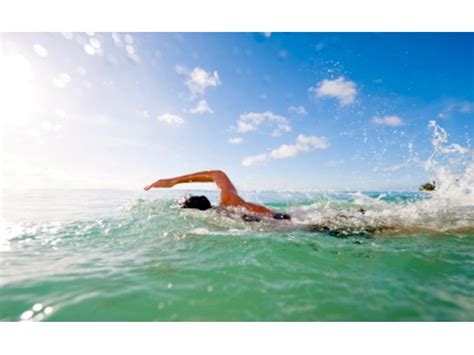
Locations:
column 121, row 255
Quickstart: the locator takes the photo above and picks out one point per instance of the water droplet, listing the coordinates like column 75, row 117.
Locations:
column 62, row 80
column 170, row 285
column 95, row 42
column 37, row 307
column 130, row 49
column 26, row 315
column 210, row 288
column 89, row 49
column 48, row 310
column 39, row 317
column 40, row 50
column 117, row 39
column 128, row 39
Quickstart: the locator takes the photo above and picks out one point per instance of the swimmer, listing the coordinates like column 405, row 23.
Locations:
column 228, row 196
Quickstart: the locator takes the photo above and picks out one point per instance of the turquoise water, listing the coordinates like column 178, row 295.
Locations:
column 86, row 255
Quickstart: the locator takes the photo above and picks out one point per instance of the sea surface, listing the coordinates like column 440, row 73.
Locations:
column 110, row 255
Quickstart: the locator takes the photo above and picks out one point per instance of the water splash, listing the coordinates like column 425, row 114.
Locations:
column 449, row 209
column 454, row 177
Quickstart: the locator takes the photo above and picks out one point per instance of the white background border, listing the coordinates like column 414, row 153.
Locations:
column 236, row 15
column 236, row 338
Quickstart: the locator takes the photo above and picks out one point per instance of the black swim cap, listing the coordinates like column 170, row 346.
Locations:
column 281, row 216
column 197, row 202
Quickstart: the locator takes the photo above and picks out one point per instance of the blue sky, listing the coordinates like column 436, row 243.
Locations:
column 293, row 111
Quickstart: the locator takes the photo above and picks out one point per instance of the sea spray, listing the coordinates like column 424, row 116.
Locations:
column 449, row 209
column 454, row 177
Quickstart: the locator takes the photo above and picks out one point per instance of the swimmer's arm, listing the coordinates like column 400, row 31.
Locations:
column 258, row 209
column 217, row 176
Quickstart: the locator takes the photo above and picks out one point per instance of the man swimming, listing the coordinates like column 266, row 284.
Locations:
column 228, row 196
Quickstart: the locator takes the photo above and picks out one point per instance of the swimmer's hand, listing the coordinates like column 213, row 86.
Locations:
column 160, row 183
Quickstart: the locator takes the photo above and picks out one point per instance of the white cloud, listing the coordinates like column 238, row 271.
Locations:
column 284, row 151
column 251, row 121
column 235, row 140
column 300, row 110
column 202, row 107
column 393, row 121
column 343, row 90
column 303, row 144
column 171, row 119
column 198, row 80
column 309, row 142
column 254, row 159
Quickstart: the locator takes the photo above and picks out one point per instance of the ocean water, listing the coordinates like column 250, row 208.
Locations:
column 108, row 255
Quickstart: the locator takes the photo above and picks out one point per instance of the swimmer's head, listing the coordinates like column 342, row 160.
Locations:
column 197, row 202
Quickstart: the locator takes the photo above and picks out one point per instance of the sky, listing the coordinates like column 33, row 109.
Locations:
column 275, row 111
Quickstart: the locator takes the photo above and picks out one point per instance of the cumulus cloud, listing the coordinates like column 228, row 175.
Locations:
column 171, row 119
column 235, row 140
column 254, row 159
column 303, row 144
column 300, row 110
column 393, row 121
column 202, row 107
column 198, row 80
column 341, row 89
column 251, row 121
